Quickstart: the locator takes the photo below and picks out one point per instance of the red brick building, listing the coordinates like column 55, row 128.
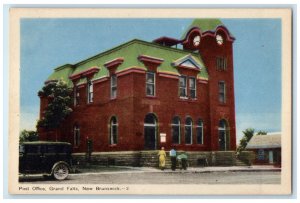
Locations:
column 144, row 95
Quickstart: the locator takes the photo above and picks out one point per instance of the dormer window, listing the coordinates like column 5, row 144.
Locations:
column 192, row 87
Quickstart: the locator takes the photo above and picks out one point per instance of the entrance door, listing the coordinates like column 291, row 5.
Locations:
column 150, row 131
column 222, row 140
column 222, row 130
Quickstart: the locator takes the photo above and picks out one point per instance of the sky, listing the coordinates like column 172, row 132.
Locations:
column 50, row 43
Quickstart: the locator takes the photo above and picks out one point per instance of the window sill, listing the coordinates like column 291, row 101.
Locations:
column 112, row 99
column 112, row 145
column 188, row 100
column 90, row 104
column 151, row 97
column 176, row 144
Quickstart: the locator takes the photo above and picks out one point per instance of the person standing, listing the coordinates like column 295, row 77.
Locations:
column 173, row 159
column 162, row 158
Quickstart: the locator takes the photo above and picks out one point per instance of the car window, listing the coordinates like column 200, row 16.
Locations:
column 21, row 149
column 33, row 149
column 51, row 149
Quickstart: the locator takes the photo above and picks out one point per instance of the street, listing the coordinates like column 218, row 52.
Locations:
column 165, row 177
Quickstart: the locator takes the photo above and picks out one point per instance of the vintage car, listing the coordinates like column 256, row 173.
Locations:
column 51, row 159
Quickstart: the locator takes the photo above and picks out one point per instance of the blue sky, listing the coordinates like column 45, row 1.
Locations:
column 49, row 43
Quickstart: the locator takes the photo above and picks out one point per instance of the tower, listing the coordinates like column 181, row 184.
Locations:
column 214, row 43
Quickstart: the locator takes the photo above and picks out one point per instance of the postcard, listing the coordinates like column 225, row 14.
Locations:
column 150, row 101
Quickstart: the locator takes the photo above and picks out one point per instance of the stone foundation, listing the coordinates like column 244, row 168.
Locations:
column 150, row 158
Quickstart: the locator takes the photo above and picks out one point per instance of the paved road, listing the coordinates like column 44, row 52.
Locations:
column 166, row 177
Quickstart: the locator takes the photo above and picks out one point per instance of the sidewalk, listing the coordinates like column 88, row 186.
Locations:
column 124, row 169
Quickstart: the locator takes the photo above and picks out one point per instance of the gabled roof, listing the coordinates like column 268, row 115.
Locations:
column 265, row 141
column 188, row 61
column 130, row 51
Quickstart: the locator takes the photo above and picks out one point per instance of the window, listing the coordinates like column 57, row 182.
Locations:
column 199, row 129
column 182, row 86
column 76, row 96
column 188, row 131
column 222, row 92
column 192, row 85
column 150, row 84
column 76, row 135
column 176, row 130
column 90, row 92
column 221, row 63
column 113, row 86
column 113, row 130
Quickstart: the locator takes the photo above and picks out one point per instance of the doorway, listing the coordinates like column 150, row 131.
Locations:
column 150, row 132
column 223, row 135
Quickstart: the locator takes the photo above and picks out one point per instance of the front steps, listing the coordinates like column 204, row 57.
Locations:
column 150, row 158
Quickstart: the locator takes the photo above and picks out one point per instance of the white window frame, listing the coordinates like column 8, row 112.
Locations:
column 151, row 84
column 112, row 125
column 183, row 87
column 90, row 92
column 193, row 88
column 222, row 91
column 113, row 87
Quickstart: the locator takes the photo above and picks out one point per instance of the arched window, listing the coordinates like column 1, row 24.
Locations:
column 175, row 130
column 113, row 131
column 150, row 131
column 188, row 131
column 76, row 135
column 223, row 135
column 199, row 129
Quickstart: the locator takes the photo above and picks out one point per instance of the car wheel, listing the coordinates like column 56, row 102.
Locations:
column 60, row 171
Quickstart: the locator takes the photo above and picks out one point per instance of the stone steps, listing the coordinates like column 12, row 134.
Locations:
column 240, row 163
column 150, row 158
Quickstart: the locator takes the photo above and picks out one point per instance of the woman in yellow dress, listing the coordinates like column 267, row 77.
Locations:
column 162, row 158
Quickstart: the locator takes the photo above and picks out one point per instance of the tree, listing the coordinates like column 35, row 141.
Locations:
column 248, row 134
column 28, row 136
column 261, row 132
column 58, row 108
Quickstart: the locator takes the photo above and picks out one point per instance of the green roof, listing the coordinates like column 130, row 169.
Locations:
column 130, row 52
column 204, row 24
column 63, row 73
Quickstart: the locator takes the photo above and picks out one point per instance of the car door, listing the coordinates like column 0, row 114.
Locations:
column 32, row 159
